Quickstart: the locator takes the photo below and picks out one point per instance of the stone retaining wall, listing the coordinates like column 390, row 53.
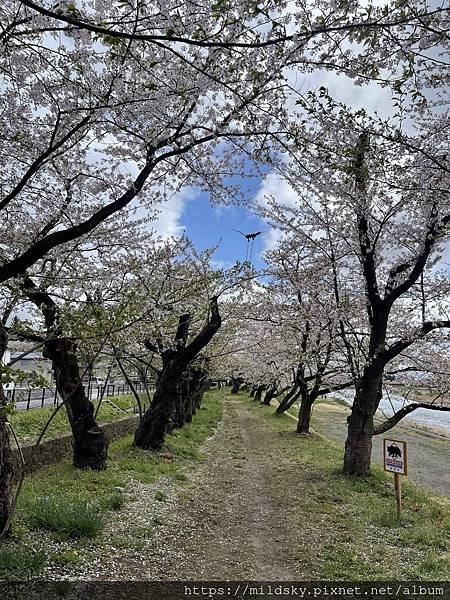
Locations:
column 56, row 449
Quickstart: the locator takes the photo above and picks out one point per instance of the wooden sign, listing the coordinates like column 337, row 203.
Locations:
column 395, row 457
column 395, row 461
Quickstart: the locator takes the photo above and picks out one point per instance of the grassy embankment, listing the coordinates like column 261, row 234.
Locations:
column 28, row 424
column 352, row 520
column 61, row 509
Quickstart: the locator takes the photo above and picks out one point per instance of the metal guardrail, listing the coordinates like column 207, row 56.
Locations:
column 28, row 398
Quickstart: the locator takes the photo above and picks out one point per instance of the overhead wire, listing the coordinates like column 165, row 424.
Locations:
column 250, row 237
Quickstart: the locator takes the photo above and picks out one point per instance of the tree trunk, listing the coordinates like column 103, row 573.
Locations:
column 235, row 385
column 358, row 446
column 289, row 399
column 192, row 400
column 182, row 406
column 258, row 393
column 6, row 465
column 269, row 395
column 90, row 445
column 158, row 420
column 201, row 384
column 188, row 400
column 358, row 450
column 304, row 414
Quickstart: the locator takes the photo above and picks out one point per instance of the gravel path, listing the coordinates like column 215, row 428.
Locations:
column 230, row 520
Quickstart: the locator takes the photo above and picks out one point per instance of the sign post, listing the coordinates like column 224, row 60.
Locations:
column 395, row 461
column 398, row 494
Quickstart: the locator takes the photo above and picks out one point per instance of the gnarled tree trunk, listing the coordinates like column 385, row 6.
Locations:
column 6, row 465
column 236, row 383
column 182, row 406
column 358, row 446
column 90, row 446
column 200, row 385
column 270, row 394
column 289, row 399
column 258, row 393
column 304, row 413
column 158, row 420
column 304, row 418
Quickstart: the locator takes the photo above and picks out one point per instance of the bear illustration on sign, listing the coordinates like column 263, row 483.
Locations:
column 394, row 451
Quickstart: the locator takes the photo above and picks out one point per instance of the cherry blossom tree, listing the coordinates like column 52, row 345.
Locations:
column 112, row 106
column 88, row 121
column 301, row 269
column 159, row 418
column 57, row 289
column 292, row 319
column 384, row 197
column 163, row 281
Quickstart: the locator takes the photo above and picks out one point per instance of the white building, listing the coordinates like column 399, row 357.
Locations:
column 31, row 363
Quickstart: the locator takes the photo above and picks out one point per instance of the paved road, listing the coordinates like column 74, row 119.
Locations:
column 37, row 398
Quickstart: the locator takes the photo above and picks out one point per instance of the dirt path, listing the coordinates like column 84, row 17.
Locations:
column 428, row 453
column 230, row 520
column 264, row 504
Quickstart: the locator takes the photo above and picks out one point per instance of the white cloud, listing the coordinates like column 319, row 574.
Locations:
column 170, row 212
column 275, row 187
column 371, row 96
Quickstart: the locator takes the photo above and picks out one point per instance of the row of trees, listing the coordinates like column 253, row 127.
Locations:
column 359, row 278
column 109, row 108
column 150, row 309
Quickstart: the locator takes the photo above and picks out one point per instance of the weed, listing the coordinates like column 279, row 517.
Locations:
column 72, row 520
column 128, row 543
column 115, row 501
column 68, row 558
column 18, row 562
column 160, row 496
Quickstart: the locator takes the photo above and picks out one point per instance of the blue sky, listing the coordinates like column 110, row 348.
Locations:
column 207, row 226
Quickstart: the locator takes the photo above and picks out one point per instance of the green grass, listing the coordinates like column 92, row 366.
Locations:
column 351, row 531
column 28, row 424
column 160, row 496
column 115, row 500
column 75, row 519
column 348, row 524
column 20, row 562
column 331, row 400
column 68, row 558
column 74, row 505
